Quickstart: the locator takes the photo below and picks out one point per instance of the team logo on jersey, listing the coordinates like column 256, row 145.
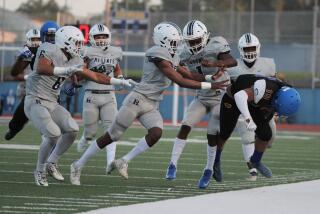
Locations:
column 227, row 105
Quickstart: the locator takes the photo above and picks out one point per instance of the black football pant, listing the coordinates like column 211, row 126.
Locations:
column 229, row 114
column 19, row 118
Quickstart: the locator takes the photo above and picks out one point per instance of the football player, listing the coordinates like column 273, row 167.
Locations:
column 198, row 48
column 256, row 98
column 250, row 62
column 160, row 69
column 20, row 70
column 54, row 63
column 99, row 102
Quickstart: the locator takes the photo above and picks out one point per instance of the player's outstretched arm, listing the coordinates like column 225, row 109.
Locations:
column 225, row 60
column 18, row 67
column 166, row 68
column 190, row 75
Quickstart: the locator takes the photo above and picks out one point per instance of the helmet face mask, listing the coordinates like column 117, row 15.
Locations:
column 33, row 38
column 196, row 36
column 100, row 36
column 167, row 35
column 249, row 47
column 70, row 39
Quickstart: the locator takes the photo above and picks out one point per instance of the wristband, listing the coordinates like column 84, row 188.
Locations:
column 59, row 71
column 205, row 85
column 208, row 78
column 115, row 81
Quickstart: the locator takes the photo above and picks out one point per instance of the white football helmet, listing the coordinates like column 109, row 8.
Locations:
column 195, row 35
column 249, row 47
column 167, row 35
column 33, row 38
column 100, row 29
column 70, row 39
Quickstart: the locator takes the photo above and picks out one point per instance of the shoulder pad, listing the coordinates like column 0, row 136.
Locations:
column 217, row 45
column 159, row 52
column 117, row 51
column 259, row 88
column 48, row 50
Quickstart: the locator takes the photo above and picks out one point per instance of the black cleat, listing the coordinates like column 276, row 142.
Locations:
column 10, row 134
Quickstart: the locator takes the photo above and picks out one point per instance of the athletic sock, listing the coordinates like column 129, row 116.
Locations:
column 247, row 150
column 256, row 157
column 211, row 155
column 139, row 148
column 46, row 146
column 218, row 156
column 89, row 153
column 111, row 152
column 177, row 149
column 63, row 144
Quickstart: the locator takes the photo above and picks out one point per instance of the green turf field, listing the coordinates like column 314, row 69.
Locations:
column 293, row 158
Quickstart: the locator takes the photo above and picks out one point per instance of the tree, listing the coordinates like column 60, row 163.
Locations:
column 41, row 9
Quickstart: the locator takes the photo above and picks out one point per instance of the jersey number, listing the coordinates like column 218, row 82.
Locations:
column 58, row 83
column 199, row 69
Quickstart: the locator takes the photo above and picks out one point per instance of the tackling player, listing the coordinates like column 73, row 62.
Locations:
column 160, row 69
column 20, row 70
column 99, row 102
column 250, row 62
column 54, row 63
column 198, row 48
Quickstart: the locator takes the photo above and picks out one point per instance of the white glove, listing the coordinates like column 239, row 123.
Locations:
column 67, row 71
column 122, row 82
column 251, row 126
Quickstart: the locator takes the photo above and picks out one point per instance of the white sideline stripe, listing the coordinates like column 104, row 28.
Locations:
column 37, row 208
column 60, row 205
column 287, row 198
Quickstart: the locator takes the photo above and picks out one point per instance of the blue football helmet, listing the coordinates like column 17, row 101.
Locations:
column 286, row 101
column 48, row 30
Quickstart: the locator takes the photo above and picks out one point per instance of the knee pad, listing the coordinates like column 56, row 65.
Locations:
column 73, row 125
column 264, row 134
column 247, row 137
column 51, row 130
column 90, row 117
column 212, row 139
column 155, row 133
column 116, row 130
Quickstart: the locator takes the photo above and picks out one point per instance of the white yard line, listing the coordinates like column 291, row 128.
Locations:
column 287, row 198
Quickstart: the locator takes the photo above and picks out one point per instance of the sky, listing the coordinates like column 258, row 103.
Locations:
column 78, row 7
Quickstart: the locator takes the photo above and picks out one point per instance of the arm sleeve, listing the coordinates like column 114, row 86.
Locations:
column 241, row 99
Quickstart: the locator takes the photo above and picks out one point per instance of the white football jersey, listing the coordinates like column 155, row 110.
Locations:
column 44, row 86
column 262, row 66
column 102, row 61
column 215, row 46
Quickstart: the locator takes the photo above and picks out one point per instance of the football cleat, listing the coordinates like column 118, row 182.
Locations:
column 110, row 168
column 171, row 172
column 122, row 166
column 75, row 174
column 253, row 174
column 263, row 169
column 10, row 134
column 217, row 172
column 82, row 145
column 205, row 179
column 52, row 169
column 41, row 178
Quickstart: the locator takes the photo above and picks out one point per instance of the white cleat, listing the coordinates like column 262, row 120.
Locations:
column 110, row 168
column 75, row 174
column 253, row 174
column 122, row 167
column 40, row 178
column 82, row 145
column 52, row 169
